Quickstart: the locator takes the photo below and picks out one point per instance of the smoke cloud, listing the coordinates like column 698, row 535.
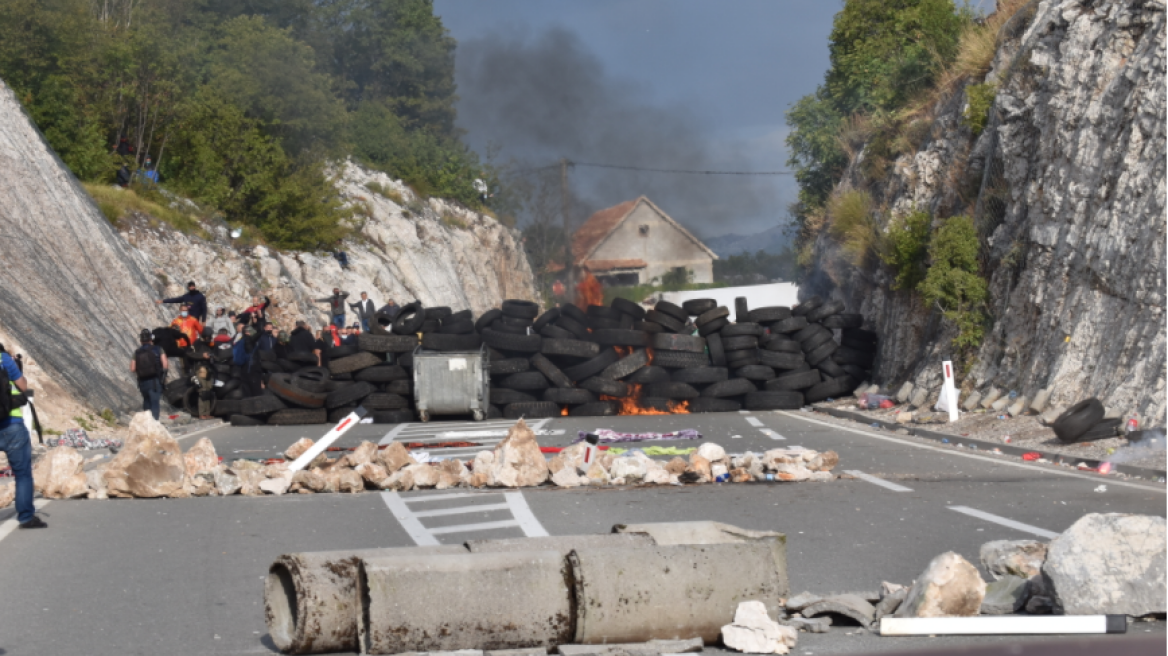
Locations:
column 534, row 99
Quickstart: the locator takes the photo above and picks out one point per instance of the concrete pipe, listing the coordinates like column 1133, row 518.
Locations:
column 669, row 593
column 312, row 601
column 564, row 544
column 471, row 601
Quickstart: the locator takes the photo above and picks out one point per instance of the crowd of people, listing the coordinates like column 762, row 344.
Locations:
column 245, row 333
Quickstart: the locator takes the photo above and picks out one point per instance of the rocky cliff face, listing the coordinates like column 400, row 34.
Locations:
column 72, row 289
column 1074, row 234
column 407, row 249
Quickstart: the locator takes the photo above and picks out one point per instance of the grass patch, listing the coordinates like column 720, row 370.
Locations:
column 852, row 225
column 451, row 221
column 906, row 248
column 83, row 424
column 385, row 192
column 953, row 283
column 117, row 203
column 977, row 111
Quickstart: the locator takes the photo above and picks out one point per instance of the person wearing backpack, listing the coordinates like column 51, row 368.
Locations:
column 149, row 364
column 15, row 441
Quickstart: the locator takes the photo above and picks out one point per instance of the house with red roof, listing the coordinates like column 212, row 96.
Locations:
column 636, row 242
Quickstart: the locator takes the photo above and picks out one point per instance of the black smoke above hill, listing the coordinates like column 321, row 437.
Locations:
column 536, row 99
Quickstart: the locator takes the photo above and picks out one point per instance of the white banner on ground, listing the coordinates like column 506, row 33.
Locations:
column 949, row 391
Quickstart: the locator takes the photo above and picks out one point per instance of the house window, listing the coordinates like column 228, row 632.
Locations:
column 644, row 229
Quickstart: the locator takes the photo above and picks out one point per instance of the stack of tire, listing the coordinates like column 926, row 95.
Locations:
column 1084, row 422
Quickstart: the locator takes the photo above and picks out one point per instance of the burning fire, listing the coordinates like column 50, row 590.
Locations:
column 630, row 405
column 589, row 292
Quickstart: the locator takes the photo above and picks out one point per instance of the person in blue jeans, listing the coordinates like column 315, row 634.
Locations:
column 16, row 443
column 149, row 364
column 336, row 306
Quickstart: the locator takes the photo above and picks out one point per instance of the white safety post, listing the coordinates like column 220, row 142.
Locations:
column 949, row 390
column 1003, row 625
column 323, row 443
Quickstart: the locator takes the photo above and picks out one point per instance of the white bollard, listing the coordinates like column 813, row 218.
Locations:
column 1003, row 625
column 950, row 391
column 340, row 429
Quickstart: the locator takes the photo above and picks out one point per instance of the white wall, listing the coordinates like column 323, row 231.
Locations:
column 662, row 248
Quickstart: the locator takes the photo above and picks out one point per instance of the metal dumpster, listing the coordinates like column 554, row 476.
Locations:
column 451, row 383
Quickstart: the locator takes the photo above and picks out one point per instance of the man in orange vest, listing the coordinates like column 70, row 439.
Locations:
column 190, row 327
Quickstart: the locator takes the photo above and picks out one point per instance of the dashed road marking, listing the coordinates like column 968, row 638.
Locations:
column 1017, row 526
column 754, row 421
column 875, row 480
column 522, row 517
column 771, row 434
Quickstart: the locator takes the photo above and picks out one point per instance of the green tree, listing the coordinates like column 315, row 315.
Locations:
column 953, row 283
column 907, row 248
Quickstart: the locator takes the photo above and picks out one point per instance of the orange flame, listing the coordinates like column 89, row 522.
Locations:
column 564, row 411
column 630, row 405
column 589, row 292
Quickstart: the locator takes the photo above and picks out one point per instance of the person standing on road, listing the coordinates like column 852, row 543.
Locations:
column 16, row 443
column 194, row 299
column 149, row 364
column 336, row 306
column 204, row 379
column 365, row 310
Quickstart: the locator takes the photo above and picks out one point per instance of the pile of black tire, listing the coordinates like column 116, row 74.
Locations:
column 1084, row 422
column 567, row 360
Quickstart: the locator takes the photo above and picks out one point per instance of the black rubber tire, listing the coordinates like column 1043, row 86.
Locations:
column 572, row 312
column 618, row 337
column 679, row 359
column 514, row 343
column 1077, row 420
column 757, row 372
column 781, row 344
column 304, row 357
column 860, row 338
column 744, row 328
column 595, row 409
column 743, row 358
column 626, row 366
column 504, row 396
column 603, row 312
column 386, row 343
column 672, row 390
column 774, row 400
column 668, row 323
column 787, row 326
column 828, row 389
column 713, row 327
column 298, row 417
column 261, row 405
column 282, row 385
column 409, row 319
column 494, row 412
column 349, row 394
column 625, row 306
column 515, row 322
column 797, row 380
column 591, row 367
column 460, row 327
column 392, row 416
column 406, row 360
column 648, row 327
column 739, row 343
column 554, row 374
column 546, row 319
column 713, row 314
column 338, row 352
column 649, row 374
column 830, row 369
column 461, row 315
column 572, row 348
column 600, row 323
column 440, row 313
column 225, row 408
column 528, row 380
column 606, row 387
column 741, row 309
column 700, row 375
column 568, row 396
column 337, row 414
column 382, row 373
column 845, row 355
column 385, row 401
column 429, row 326
column 520, row 309
column 449, row 343
column 489, row 317
column 403, row 387
column 245, row 420
column 354, row 363
column 809, row 331
column 575, row 327
column 697, row 306
column 175, row 390
column 313, row 379
column 859, row 373
column 770, row 314
column 710, row 404
column 288, row 366
column 842, row 321
column 534, row 410
column 780, row 359
column 672, row 309
column 555, row 332
column 685, row 343
column 824, row 311
column 717, row 350
column 821, row 352
column 730, row 387
column 806, row 306
column 815, row 341
column 509, row 366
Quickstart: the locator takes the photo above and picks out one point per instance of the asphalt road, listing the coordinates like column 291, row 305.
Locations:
column 186, row 576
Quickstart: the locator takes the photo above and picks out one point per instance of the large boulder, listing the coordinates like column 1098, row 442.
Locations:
column 150, row 465
column 518, row 461
column 395, row 457
column 1013, row 558
column 949, row 587
column 298, row 448
column 200, row 457
column 59, row 474
column 1109, row 564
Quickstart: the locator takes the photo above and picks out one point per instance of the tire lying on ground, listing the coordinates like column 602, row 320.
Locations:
column 536, row 410
column 298, row 417
column 711, row 404
column 1105, row 429
column 595, row 409
column 245, row 420
column 283, row 387
column 528, row 380
column 392, row 416
column 349, row 395
column 828, row 389
column 795, row 381
column 774, row 400
column 731, row 387
column 568, row 396
column 1077, row 420
column 353, row 363
column 504, row 396
column 700, row 375
column 260, row 405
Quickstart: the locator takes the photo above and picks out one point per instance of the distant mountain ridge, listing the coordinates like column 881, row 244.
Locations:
column 772, row 240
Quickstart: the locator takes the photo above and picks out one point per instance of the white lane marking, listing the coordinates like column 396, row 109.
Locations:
column 468, row 528
column 393, row 433
column 522, row 513
column 201, row 431
column 754, row 421
column 1093, row 479
column 743, row 412
column 461, row 510
column 875, row 480
column 444, row 497
column 771, row 434
column 10, row 525
column 492, row 433
column 418, row 533
column 1018, row 526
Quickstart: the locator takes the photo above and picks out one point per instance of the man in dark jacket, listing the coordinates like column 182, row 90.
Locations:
column 301, row 339
column 365, row 311
column 336, row 306
column 193, row 298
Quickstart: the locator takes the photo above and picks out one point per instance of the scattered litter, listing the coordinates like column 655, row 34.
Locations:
column 735, row 437
column 367, row 420
column 944, row 441
column 1101, row 488
column 1006, row 439
column 440, row 445
column 606, row 435
column 874, row 401
column 1031, row 455
column 78, row 439
column 656, row 450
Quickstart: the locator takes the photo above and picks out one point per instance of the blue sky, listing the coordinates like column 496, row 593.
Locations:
column 664, row 83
